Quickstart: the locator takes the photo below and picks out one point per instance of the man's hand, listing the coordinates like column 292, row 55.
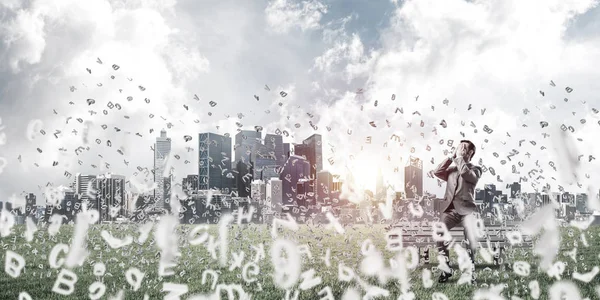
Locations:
column 456, row 151
column 462, row 150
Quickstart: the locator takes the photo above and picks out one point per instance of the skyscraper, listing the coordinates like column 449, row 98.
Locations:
column 324, row 187
column 413, row 178
column 312, row 149
column 111, row 196
column 243, row 178
column 30, row 209
column 567, row 197
column 167, row 183
column 85, row 187
column 190, row 183
column 488, row 197
column 214, row 159
column 245, row 141
column 287, row 151
column 49, row 212
column 479, row 194
column 274, row 196
column 265, row 163
column 67, row 205
column 581, row 203
column 294, row 169
column 162, row 149
column 274, row 143
column 259, row 191
column 515, row 190
column 546, row 199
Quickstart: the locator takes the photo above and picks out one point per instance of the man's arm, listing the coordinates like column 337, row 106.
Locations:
column 470, row 175
column 441, row 171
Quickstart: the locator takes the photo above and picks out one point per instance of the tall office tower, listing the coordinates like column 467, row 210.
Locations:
column 30, row 207
column 244, row 167
column 243, row 178
column 301, row 150
column 274, row 196
column 305, row 199
column 479, row 194
column 67, row 205
column 258, row 191
column 244, row 143
column 531, row 199
column 294, row 169
column 323, row 188
column 287, row 151
column 312, row 149
column 274, row 143
column 379, row 187
column 305, row 193
column 413, row 178
column 162, row 149
column 581, row 203
column 546, row 199
column 49, row 211
column 214, row 161
column 111, row 196
column 39, row 213
column 568, row 198
column 488, row 197
column 498, row 196
column 85, row 187
column 130, row 202
column 257, row 200
column 190, row 183
column 515, row 190
column 555, row 197
column 167, row 184
column 265, row 164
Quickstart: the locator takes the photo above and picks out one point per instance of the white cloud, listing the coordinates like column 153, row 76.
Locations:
column 173, row 51
column 67, row 40
column 490, row 55
column 24, row 37
column 283, row 15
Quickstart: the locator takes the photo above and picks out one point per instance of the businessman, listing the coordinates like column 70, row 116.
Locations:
column 459, row 199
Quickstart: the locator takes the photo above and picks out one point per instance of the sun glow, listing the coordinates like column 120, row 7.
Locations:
column 364, row 170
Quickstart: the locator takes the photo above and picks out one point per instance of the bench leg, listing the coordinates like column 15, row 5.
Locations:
column 426, row 256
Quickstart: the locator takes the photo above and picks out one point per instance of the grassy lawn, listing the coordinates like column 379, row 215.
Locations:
column 38, row 278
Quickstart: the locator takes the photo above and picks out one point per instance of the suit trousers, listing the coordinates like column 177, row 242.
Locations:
column 451, row 218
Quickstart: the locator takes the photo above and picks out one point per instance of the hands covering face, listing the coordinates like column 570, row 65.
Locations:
column 461, row 151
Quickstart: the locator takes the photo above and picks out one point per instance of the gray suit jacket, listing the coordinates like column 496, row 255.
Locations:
column 461, row 181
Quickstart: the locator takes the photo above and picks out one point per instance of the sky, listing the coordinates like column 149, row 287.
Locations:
column 347, row 70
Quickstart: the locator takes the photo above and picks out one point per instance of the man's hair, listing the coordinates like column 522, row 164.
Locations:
column 471, row 147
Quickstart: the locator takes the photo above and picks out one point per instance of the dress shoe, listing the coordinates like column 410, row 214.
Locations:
column 445, row 276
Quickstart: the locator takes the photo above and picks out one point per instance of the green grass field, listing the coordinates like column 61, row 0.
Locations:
column 38, row 278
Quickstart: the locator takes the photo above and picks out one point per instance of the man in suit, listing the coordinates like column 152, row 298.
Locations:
column 459, row 199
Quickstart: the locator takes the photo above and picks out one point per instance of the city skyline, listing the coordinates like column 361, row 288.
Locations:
column 81, row 187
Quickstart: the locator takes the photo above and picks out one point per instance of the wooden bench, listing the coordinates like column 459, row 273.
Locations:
column 422, row 238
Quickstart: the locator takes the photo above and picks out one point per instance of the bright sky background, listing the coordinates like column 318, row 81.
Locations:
column 487, row 55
